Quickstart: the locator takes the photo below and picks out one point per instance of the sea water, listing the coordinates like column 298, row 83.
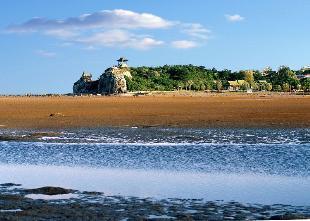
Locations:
column 266, row 166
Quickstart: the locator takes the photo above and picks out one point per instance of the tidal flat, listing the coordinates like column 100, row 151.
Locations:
column 176, row 109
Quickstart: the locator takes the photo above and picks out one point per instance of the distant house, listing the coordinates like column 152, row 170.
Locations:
column 303, row 76
column 305, row 69
column 304, row 73
column 235, row 85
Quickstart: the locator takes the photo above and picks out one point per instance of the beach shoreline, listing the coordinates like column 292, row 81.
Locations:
column 188, row 110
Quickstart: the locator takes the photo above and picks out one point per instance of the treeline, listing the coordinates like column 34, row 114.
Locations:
column 199, row 78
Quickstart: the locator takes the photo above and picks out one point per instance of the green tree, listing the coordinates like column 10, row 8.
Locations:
column 255, row 86
column 286, row 87
column 258, row 76
column 190, row 77
column 219, row 85
column 305, row 84
column 189, row 84
column 249, row 77
column 180, row 85
column 245, row 86
column 268, row 87
column 277, row 87
column 284, row 75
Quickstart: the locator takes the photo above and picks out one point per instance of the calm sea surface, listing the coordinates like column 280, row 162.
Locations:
column 265, row 166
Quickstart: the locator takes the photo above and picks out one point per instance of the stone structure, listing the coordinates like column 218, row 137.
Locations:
column 112, row 81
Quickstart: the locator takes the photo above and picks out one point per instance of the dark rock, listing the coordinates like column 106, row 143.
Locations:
column 42, row 134
column 7, row 138
column 9, row 184
column 93, row 193
column 288, row 216
column 48, row 190
column 8, row 197
column 29, row 137
column 56, row 115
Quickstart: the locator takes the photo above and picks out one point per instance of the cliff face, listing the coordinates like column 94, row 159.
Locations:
column 85, row 87
column 112, row 81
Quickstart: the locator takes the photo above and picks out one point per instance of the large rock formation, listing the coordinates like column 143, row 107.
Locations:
column 85, row 85
column 112, row 81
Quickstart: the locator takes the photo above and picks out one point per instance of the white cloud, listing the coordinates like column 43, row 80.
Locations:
column 234, row 18
column 90, row 48
column 146, row 43
column 117, row 18
column 196, row 30
column 120, row 38
column 44, row 53
column 114, row 28
column 61, row 33
column 184, row 44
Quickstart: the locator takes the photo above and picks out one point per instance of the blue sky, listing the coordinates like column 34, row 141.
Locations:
column 45, row 45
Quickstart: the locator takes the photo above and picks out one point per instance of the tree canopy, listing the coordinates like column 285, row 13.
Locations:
column 190, row 77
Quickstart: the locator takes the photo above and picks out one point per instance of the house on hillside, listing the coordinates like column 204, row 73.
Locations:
column 235, row 85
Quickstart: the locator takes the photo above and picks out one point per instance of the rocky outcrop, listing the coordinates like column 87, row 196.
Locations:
column 112, row 81
column 85, row 85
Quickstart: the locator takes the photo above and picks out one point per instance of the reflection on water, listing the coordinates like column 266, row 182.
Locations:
column 247, row 165
column 248, row 188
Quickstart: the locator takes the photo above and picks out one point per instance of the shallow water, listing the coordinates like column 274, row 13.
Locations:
column 245, row 165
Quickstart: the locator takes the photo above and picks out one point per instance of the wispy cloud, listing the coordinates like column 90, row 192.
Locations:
column 184, row 44
column 196, row 30
column 120, row 38
column 117, row 18
column 61, row 33
column 90, row 48
column 44, row 53
column 113, row 28
column 234, row 18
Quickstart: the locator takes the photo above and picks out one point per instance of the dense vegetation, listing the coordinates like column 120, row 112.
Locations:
column 190, row 77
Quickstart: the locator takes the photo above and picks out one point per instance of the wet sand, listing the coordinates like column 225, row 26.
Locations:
column 202, row 110
column 56, row 203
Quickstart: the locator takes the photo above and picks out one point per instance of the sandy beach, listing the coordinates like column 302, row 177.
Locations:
column 233, row 110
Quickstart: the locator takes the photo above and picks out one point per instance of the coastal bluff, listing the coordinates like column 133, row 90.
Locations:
column 112, row 81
